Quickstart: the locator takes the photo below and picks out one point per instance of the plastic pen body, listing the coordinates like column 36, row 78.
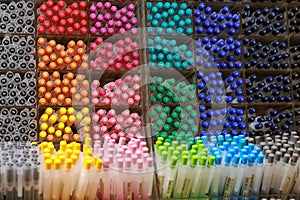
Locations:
column 267, row 178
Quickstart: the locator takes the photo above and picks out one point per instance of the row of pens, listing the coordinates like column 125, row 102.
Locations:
column 222, row 167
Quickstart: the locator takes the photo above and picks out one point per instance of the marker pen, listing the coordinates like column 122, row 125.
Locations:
column 47, row 178
column 95, row 176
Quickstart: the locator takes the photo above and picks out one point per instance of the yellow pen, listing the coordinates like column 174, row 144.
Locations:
column 47, row 180
column 56, row 183
column 67, row 178
column 81, row 187
column 94, row 180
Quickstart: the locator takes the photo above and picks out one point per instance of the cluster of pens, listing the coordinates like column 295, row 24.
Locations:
column 63, row 89
column 17, row 17
column 294, row 22
column 18, row 124
column 69, row 173
column 20, row 171
column 128, row 170
column 295, row 55
column 171, row 91
column 273, row 54
column 110, row 19
column 18, row 88
column 266, row 21
column 123, row 91
column 169, row 53
column 272, row 121
column 116, row 124
column 114, row 55
column 215, row 21
column 169, row 18
column 228, row 167
column 296, row 86
column 17, row 52
column 55, row 56
column 274, row 88
column 60, row 124
column 213, row 52
column 228, row 120
column 174, row 122
column 61, row 17
column 213, row 88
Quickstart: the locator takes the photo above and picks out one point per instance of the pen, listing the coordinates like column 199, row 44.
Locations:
column 170, row 178
column 267, row 176
column 47, row 186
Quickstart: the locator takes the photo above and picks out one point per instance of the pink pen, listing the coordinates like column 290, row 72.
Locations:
column 104, row 120
column 113, row 9
column 118, row 66
column 106, row 101
column 137, row 98
column 96, row 129
column 121, row 134
column 131, row 93
column 103, row 31
column 122, row 31
column 121, row 180
column 104, row 66
column 130, row 101
column 111, row 31
column 96, row 137
column 134, row 45
column 112, row 113
column 107, row 5
column 124, row 147
column 134, row 21
column 93, row 16
column 134, row 31
column 103, row 129
column 131, row 7
column 93, row 30
column 93, row 8
column 101, row 113
column 98, row 25
column 99, row 5
column 94, row 65
column 122, row 141
column 99, row 40
column 114, row 136
column 143, row 144
column 110, row 23
column 123, row 11
column 118, row 16
column 137, row 123
column 100, row 18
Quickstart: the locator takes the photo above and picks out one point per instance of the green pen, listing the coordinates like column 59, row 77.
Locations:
column 170, row 178
column 207, row 177
column 181, row 177
column 162, row 170
column 189, row 177
column 198, row 176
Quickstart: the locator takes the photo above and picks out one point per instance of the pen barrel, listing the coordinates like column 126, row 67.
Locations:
column 27, row 194
column 66, row 186
column 94, row 186
column 47, row 185
column 267, row 178
column 56, row 185
column 35, row 190
column 80, row 190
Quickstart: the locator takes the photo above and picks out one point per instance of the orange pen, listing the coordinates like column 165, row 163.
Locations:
column 48, row 50
column 80, row 44
column 52, row 66
column 56, row 75
column 73, row 66
column 68, row 101
column 41, row 52
column 48, row 96
column 41, row 42
column 66, row 82
column 52, row 43
column 42, row 65
column 42, row 101
column 49, row 85
column 71, row 44
column 42, row 90
column 45, row 75
column 69, row 76
column 42, row 82
column 57, row 82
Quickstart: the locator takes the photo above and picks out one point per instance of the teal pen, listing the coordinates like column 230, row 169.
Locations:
column 259, row 170
column 248, row 177
column 239, row 180
column 224, row 173
column 231, row 177
column 214, row 190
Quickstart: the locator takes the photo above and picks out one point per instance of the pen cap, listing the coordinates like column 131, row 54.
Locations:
column 173, row 161
column 228, row 158
column 48, row 163
column 244, row 159
column 57, row 164
column 164, row 156
column 290, row 151
column 236, row 160
column 68, row 163
column 194, row 160
column 260, row 158
column 203, row 160
column 271, row 158
column 218, row 160
column 278, row 156
column 286, row 158
column 251, row 159
column 184, row 160
column 294, row 158
column 87, row 164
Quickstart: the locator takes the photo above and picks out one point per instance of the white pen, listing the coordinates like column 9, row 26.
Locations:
column 268, row 173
